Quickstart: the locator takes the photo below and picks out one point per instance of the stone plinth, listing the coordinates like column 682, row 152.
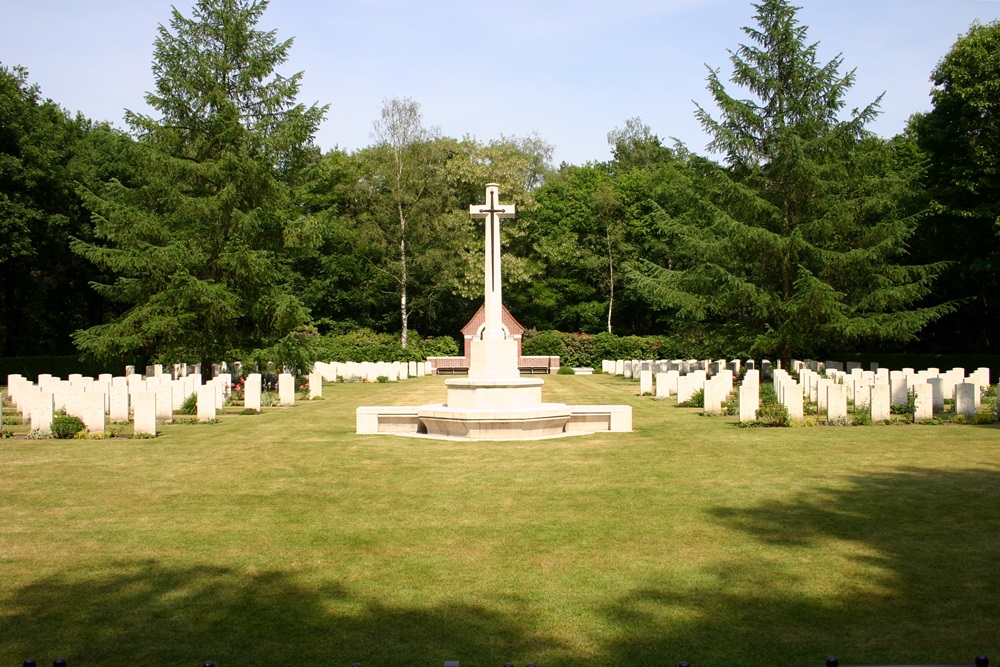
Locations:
column 467, row 393
column 494, row 409
column 541, row 420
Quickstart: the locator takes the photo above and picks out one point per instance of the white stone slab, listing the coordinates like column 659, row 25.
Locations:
column 164, row 402
column 43, row 412
column 836, row 403
column 965, row 399
column 118, row 403
column 208, row 396
column 286, row 389
column 822, row 392
column 144, row 404
column 251, row 392
column 645, row 382
column 880, row 403
column 315, row 386
column 793, row 400
column 898, row 388
column 713, row 396
column 93, row 412
column 923, row 395
column 749, row 401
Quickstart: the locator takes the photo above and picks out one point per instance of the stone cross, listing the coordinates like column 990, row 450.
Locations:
column 493, row 212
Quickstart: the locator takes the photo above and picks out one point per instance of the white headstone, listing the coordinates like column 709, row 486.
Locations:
column 923, row 396
column 898, row 388
column 315, row 386
column 251, row 392
column 286, row 389
column 144, row 404
column 836, row 403
column 749, row 401
column 880, row 404
column 164, row 402
column 713, row 394
column 793, row 399
column 965, row 399
column 645, row 382
column 42, row 412
column 937, row 392
column 93, row 412
column 119, row 402
column 208, row 396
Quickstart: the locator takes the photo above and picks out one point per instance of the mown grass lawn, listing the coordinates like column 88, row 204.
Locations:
column 285, row 539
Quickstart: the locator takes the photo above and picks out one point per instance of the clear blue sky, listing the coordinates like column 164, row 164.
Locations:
column 568, row 70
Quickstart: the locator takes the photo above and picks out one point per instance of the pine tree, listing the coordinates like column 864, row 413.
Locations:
column 196, row 252
column 791, row 248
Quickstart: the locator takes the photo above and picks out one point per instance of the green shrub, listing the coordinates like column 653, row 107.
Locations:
column 382, row 379
column 190, row 405
column 983, row 418
column 64, row 426
column 959, row 419
column 861, row 418
column 4, row 434
column 250, row 411
column 566, row 370
column 38, row 434
column 697, row 400
column 731, row 406
column 772, row 414
column 933, row 421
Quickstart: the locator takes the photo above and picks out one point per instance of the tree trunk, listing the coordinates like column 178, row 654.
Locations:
column 611, row 279
column 404, row 312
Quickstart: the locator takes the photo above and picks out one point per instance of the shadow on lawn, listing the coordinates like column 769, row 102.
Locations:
column 149, row 614
column 925, row 549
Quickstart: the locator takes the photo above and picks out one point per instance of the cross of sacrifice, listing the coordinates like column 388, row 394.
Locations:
column 493, row 212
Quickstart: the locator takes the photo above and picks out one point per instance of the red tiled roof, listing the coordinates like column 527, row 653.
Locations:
column 514, row 327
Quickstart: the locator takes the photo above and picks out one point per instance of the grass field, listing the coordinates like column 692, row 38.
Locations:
column 285, row 539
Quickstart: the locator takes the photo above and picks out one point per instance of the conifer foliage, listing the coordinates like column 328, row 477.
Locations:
column 794, row 245
column 196, row 252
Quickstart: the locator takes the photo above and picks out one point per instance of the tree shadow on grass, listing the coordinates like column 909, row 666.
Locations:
column 892, row 568
column 146, row 613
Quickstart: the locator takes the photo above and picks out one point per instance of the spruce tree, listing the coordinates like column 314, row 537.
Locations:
column 794, row 246
column 196, row 252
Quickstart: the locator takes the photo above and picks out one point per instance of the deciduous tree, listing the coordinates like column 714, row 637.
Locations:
column 960, row 140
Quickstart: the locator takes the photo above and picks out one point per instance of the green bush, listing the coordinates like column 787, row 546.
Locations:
column 190, row 405
column 367, row 345
column 581, row 349
column 566, row 370
column 772, row 414
column 861, row 417
column 697, row 400
column 64, row 426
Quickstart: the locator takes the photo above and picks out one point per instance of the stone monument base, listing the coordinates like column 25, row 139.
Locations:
column 542, row 420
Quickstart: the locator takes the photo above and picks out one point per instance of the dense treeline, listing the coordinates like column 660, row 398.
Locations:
column 216, row 228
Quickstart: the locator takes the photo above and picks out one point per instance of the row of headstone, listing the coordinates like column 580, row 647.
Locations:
column 827, row 384
column 632, row 368
column 369, row 371
column 879, row 389
column 144, row 399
